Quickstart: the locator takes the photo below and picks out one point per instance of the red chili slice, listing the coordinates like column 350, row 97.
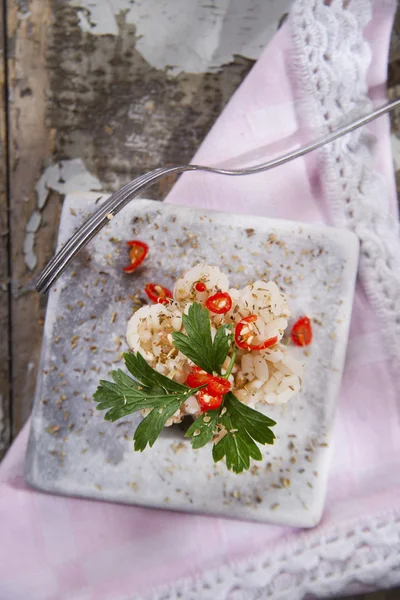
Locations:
column 220, row 303
column 137, row 253
column 218, row 385
column 200, row 286
column 242, row 337
column 208, row 401
column 302, row 332
column 158, row 293
column 197, row 377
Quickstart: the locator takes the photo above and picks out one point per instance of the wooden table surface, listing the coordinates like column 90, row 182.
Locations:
column 87, row 100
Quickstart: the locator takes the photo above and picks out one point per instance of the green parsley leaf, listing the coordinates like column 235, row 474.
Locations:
column 149, row 389
column 197, row 343
column 138, row 367
column 244, row 426
column 150, row 428
column 222, row 343
column 203, row 429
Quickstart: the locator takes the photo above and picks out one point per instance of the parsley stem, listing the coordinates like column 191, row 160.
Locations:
column 231, row 365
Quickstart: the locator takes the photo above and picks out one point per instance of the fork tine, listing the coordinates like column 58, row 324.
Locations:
column 104, row 209
column 98, row 216
column 97, row 221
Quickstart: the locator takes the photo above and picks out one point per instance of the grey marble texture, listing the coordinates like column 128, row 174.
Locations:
column 73, row 451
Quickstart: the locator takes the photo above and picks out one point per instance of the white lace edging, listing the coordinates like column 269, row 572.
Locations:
column 332, row 59
column 357, row 554
column 330, row 50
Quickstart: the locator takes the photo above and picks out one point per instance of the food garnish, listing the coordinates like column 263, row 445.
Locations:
column 137, row 253
column 302, row 332
column 213, row 356
column 219, row 303
column 158, row 293
column 246, row 332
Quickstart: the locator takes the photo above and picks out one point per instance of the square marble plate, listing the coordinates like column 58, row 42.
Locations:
column 73, row 451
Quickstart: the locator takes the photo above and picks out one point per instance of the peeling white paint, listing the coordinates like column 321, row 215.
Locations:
column 65, row 177
column 34, row 222
column 29, row 255
column 84, row 23
column 188, row 35
column 30, row 367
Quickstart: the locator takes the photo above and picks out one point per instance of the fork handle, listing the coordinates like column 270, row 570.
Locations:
column 119, row 199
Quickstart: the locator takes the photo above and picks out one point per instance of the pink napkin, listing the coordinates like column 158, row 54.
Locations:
column 318, row 68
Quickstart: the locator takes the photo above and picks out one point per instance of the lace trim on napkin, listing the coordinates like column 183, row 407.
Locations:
column 332, row 59
column 330, row 55
column 324, row 564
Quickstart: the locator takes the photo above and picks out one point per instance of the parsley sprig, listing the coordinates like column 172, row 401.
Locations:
column 244, row 427
column 240, row 427
column 148, row 389
column 234, row 427
column 197, row 343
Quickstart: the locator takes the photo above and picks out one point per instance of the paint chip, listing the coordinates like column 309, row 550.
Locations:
column 33, row 222
column 65, row 177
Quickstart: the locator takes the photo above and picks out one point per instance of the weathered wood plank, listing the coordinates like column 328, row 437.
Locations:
column 82, row 96
column 4, row 238
column 118, row 113
column 30, row 148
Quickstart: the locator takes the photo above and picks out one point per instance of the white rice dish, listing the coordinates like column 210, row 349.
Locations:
column 270, row 376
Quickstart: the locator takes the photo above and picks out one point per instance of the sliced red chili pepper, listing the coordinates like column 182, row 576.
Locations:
column 242, row 336
column 302, row 332
column 219, row 303
column 218, row 385
column 137, row 253
column 200, row 286
column 208, row 401
column 197, row 377
column 158, row 293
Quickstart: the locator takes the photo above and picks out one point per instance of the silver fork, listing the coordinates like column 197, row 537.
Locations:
column 128, row 192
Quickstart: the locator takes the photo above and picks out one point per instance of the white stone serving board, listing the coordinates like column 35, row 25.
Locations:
column 73, row 451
